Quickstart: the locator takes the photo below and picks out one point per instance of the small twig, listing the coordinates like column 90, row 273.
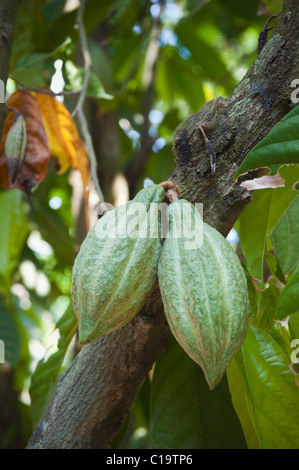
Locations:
column 263, row 36
column 255, row 282
column 79, row 106
column 209, row 149
column 44, row 90
column 86, row 56
column 137, row 163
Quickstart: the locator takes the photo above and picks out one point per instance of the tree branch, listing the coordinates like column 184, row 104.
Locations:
column 136, row 165
column 79, row 106
column 8, row 9
column 94, row 395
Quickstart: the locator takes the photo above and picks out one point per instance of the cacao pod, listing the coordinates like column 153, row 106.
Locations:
column 204, row 292
column 117, row 265
column 15, row 146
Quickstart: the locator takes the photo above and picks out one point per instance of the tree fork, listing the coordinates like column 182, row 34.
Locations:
column 94, row 395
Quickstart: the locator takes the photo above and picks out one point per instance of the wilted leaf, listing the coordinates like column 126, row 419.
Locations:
column 264, row 182
column 37, row 156
column 65, row 143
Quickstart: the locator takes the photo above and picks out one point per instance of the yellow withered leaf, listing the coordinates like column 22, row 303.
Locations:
column 65, row 144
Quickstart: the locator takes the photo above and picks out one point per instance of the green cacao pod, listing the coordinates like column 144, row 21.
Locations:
column 204, row 291
column 117, row 265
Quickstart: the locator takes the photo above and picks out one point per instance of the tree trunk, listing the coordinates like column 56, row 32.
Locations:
column 8, row 10
column 95, row 394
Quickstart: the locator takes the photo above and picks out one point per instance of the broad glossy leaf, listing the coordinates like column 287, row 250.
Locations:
column 34, row 69
column 240, row 405
column 13, row 232
column 270, row 387
column 253, row 230
column 185, row 413
column 280, row 146
column 274, row 267
column 101, row 64
column 269, row 297
column 176, row 78
column 285, row 238
column 260, row 217
column 45, row 375
column 204, row 54
column 9, row 334
column 289, row 300
column 293, row 325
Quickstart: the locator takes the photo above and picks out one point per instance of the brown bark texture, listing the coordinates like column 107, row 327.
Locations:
column 8, row 10
column 94, row 395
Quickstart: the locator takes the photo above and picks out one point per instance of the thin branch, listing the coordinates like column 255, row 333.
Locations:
column 44, row 90
column 136, row 165
column 78, row 111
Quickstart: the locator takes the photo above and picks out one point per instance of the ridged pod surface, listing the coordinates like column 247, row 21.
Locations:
column 204, row 291
column 117, row 266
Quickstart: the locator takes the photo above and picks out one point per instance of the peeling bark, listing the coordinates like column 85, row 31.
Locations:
column 96, row 392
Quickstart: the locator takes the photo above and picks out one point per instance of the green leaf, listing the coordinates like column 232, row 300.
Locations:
column 274, row 267
column 271, row 392
column 9, row 334
column 52, row 228
column 75, row 78
column 185, row 413
column 293, row 325
column 275, row 6
column 269, row 298
column 45, row 375
column 205, row 55
column 260, row 217
column 285, row 239
column 240, row 405
column 280, row 146
column 13, row 233
column 176, row 78
column 289, row 299
column 101, row 64
column 253, row 230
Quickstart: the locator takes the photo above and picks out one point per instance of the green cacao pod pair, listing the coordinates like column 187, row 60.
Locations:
column 202, row 282
column 204, row 291
column 117, row 265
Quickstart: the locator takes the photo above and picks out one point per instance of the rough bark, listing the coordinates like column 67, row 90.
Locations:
column 8, row 10
column 94, row 395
